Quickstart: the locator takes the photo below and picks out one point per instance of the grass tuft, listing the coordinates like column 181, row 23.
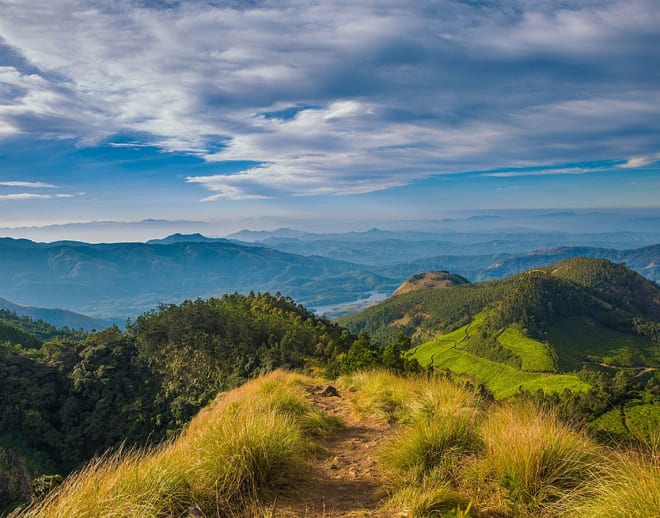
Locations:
column 629, row 488
column 430, row 498
column 540, row 462
column 432, row 442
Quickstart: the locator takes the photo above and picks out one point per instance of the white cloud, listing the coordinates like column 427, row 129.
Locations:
column 29, row 185
column 33, row 196
column 641, row 161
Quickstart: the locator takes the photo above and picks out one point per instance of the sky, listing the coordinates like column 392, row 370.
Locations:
column 253, row 114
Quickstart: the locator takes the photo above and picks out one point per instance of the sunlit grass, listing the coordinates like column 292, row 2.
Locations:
column 248, row 440
column 629, row 487
column 541, row 462
column 403, row 399
column 449, row 451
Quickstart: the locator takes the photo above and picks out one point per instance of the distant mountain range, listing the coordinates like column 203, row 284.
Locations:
column 120, row 280
column 126, row 279
column 382, row 247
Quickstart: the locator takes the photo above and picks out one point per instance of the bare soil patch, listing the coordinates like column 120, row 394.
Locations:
column 344, row 480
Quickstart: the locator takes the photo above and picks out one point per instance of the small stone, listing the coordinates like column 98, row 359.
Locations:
column 330, row 391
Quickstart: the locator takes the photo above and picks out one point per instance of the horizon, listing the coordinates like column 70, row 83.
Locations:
column 643, row 221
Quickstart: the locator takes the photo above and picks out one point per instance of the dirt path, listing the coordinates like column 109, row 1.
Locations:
column 344, row 480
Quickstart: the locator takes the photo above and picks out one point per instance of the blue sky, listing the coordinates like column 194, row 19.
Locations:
column 258, row 113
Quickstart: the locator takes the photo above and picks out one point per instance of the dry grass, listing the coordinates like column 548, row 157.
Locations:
column 544, row 466
column 452, row 452
column 403, row 400
column 247, row 441
column 629, row 488
column 508, row 460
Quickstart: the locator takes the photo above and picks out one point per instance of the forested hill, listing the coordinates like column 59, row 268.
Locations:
column 596, row 289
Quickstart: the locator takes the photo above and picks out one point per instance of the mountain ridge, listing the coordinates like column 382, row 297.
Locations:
column 121, row 280
column 56, row 317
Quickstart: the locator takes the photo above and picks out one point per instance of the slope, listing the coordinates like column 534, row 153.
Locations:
column 54, row 316
column 281, row 446
column 530, row 330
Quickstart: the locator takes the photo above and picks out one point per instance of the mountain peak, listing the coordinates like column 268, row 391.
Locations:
column 183, row 238
column 430, row 280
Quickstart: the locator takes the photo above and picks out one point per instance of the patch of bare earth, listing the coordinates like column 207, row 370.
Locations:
column 344, row 480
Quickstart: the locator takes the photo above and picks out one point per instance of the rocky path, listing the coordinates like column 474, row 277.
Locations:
column 345, row 480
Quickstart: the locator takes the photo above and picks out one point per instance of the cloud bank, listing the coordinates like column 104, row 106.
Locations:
column 338, row 97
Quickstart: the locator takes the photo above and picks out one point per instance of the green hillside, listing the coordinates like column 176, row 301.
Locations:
column 453, row 351
column 532, row 331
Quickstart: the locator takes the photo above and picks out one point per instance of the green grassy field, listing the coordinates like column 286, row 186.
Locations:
column 577, row 338
column 642, row 421
column 535, row 355
column 503, row 380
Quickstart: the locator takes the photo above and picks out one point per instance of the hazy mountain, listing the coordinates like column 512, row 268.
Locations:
column 186, row 238
column 56, row 317
column 118, row 280
column 124, row 279
column 381, row 247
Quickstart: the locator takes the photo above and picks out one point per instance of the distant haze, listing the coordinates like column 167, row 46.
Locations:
column 638, row 221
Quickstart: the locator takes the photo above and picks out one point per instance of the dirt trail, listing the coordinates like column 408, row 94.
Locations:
column 345, row 480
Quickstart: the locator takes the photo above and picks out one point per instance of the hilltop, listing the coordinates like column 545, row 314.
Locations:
column 429, row 280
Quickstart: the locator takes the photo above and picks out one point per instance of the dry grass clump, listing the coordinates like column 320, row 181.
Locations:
column 404, row 399
column 247, row 441
column 432, row 442
column 439, row 430
column 429, row 498
column 544, row 466
column 629, row 487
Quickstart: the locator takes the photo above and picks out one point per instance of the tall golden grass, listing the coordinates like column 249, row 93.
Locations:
column 503, row 459
column 451, row 454
column 247, row 441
